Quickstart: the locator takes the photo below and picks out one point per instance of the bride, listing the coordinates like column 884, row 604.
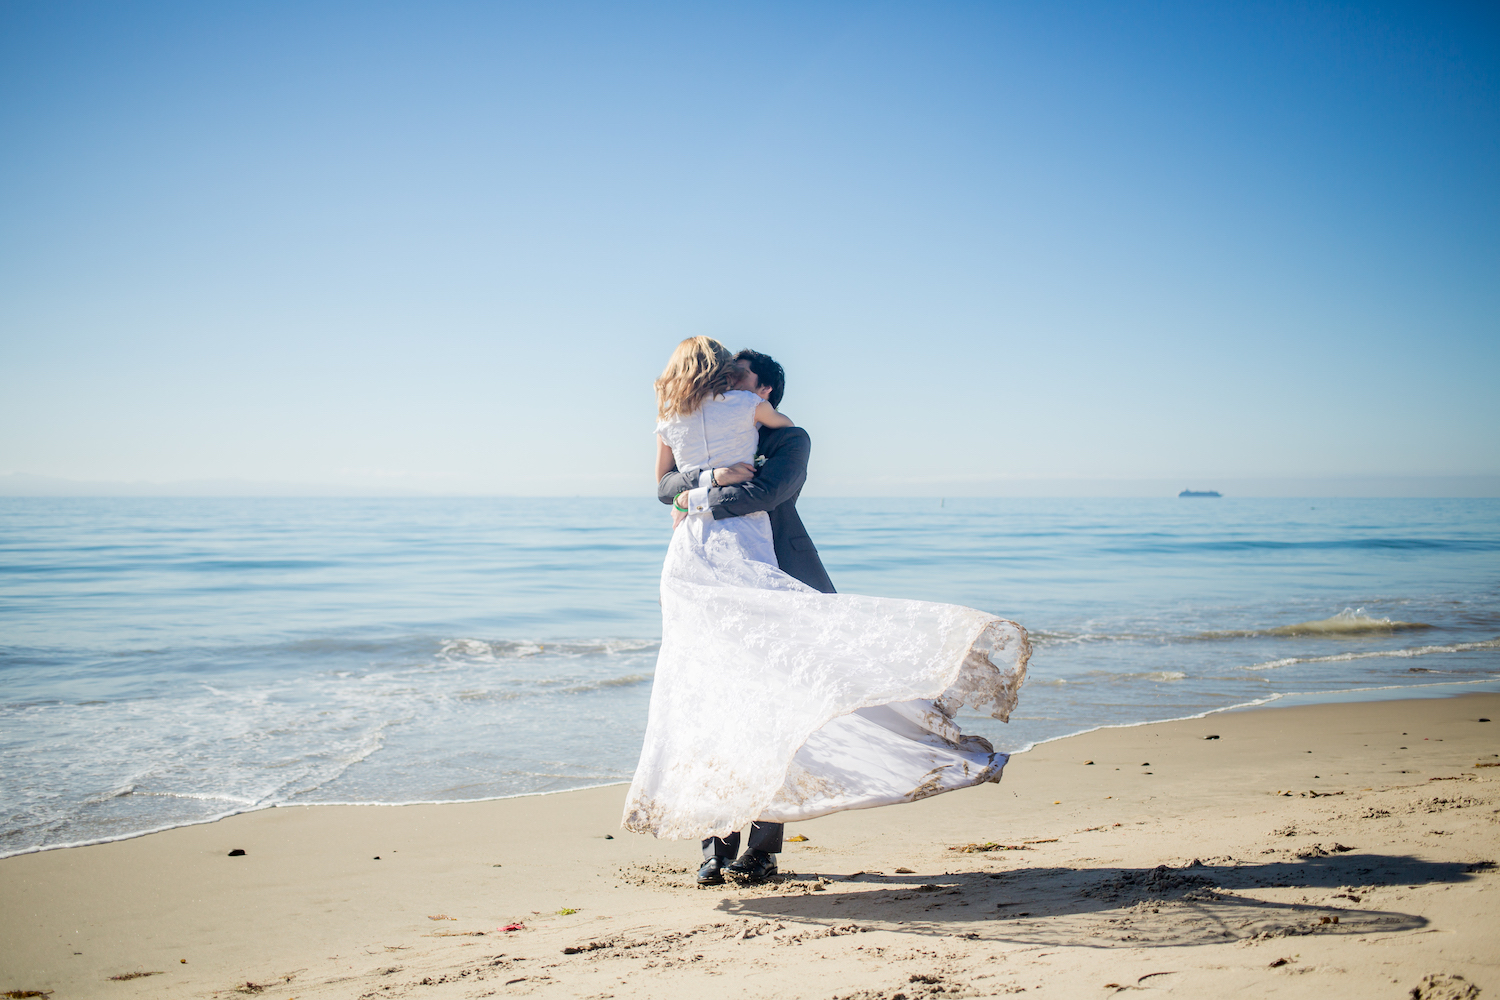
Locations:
column 772, row 701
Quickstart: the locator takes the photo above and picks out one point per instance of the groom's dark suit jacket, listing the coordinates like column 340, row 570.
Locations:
column 774, row 489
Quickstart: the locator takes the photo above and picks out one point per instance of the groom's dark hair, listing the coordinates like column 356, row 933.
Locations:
column 767, row 372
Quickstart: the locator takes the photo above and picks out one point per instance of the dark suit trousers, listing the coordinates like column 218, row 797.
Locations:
column 763, row 837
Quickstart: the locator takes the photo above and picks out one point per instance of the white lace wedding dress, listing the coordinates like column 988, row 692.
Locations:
column 773, row 701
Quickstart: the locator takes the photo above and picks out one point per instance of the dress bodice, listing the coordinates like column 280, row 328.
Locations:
column 720, row 432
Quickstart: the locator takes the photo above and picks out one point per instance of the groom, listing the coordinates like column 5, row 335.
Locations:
column 735, row 491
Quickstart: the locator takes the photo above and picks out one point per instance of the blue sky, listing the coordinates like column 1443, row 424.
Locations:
column 446, row 247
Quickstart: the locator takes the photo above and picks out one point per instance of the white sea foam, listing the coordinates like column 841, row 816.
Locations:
column 1044, row 639
column 1351, row 622
column 1109, row 677
column 1375, row 654
column 488, row 651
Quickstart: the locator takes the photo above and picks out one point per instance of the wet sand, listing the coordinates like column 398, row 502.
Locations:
column 1344, row 850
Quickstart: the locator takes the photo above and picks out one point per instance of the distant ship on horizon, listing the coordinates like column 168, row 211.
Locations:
column 1199, row 493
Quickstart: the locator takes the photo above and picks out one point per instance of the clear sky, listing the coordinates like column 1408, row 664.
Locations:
column 447, row 246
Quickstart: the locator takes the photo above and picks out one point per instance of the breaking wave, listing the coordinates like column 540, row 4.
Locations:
column 1350, row 621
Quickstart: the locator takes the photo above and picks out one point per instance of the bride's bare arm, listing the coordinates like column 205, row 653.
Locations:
column 767, row 416
column 665, row 463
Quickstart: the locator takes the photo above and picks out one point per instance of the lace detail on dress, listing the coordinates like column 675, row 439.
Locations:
column 987, row 681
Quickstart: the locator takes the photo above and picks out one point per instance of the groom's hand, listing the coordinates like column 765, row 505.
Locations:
column 741, row 472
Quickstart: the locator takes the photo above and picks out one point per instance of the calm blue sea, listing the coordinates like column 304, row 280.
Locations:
column 169, row 661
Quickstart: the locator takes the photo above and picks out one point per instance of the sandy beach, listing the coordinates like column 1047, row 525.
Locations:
column 1342, row 849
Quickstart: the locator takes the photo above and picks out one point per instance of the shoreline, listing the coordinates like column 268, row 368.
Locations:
column 297, row 805
column 1271, row 701
column 1198, row 846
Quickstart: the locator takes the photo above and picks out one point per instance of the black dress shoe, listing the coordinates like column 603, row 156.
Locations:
column 712, row 872
column 753, row 865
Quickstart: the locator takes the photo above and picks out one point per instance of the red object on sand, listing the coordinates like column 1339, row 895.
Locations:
column 514, row 927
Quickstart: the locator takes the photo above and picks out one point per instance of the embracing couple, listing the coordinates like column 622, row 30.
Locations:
column 776, row 699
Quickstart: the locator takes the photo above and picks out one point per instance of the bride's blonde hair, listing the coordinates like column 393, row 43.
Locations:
column 700, row 367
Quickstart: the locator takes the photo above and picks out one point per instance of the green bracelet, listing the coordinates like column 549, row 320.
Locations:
column 678, row 506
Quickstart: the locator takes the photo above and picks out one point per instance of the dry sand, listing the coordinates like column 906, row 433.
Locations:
column 1330, row 850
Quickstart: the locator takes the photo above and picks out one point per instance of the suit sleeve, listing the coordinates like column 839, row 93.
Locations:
column 777, row 481
column 675, row 482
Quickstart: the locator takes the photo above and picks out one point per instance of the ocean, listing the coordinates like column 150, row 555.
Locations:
column 172, row 661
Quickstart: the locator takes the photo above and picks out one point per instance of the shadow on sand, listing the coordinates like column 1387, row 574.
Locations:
column 1112, row 907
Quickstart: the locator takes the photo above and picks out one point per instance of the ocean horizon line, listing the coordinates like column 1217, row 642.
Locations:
column 1389, row 487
